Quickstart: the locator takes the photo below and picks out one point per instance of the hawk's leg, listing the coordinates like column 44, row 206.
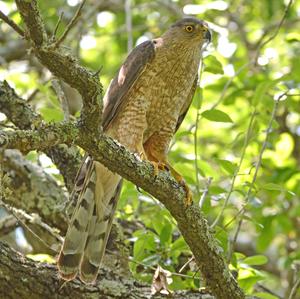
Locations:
column 156, row 149
column 181, row 181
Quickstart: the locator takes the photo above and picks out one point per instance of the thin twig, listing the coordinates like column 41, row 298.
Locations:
column 20, row 215
column 56, row 83
column 234, row 240
column 57, row 25
column 128, row 25
column 32, row 95
column 247, row 198
column 246, row 142
column 12, row 24
column 242, row 211
column 196, row 132
column 96, row 74
column 294, row 289
column 289, row 23
column 267, row 290
column 263, row 44
column 70, row 25
column 186, row 264
column 153, row 268
column 205, row 192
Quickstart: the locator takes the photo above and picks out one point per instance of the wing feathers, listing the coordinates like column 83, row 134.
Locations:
column 129, row 72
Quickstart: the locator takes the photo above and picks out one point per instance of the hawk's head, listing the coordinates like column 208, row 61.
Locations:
column 190, row 29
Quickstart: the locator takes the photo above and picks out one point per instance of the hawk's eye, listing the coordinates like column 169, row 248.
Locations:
column 189, row 28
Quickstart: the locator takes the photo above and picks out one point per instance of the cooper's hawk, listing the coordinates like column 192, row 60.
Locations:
column 143, row 108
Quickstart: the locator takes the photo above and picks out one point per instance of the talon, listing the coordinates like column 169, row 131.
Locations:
column 142, row 156
column 189, row 196
column 158, row 166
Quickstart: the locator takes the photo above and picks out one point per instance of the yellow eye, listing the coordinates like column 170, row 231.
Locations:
column 189, row 28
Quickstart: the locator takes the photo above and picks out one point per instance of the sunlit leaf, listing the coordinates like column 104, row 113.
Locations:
column 166, row 233
column 255, row 260
column 272, row 186
column 216, row 115
column 228, row 166
column 213, row 65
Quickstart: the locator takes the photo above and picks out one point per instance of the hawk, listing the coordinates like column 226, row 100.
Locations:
column 144, row 106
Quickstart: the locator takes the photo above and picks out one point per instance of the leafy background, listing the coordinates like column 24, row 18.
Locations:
column 238, row 148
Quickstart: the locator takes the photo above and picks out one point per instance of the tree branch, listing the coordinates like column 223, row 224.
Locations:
column 34, row 191
column 67, row 159
column 64, row 66
column 25, row 276
column 12, row 24
column 70, row 25
column 49, row 135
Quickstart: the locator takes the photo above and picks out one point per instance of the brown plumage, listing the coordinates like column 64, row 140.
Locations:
column 143, row 107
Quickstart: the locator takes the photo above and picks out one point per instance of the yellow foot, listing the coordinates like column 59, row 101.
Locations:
column 189, row 196
column 158, row 166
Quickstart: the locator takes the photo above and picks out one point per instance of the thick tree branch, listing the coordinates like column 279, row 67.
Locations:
column 40, row 139
column 63, row 66
column 19, row 276
column 67, row 159
column 34, row 191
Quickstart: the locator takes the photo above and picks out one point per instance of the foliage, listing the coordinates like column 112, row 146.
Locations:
column 242, row 130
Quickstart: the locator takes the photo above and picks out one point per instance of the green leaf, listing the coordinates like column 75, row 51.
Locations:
column 142, row 244
column 51, row 114
column 212, row 65
column 267, row 234
column 260, row 91
column 273, row 187
column 152, row 260
column 166, row 233
column 255, row 260
column 179, row 244
column 263, row 88
column 228, row 166
column 222, row 237
column 216, row 115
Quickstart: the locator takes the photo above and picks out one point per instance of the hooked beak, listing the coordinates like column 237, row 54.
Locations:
column 207, row 36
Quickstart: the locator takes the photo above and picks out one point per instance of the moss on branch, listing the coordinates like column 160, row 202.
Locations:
column 66, row 158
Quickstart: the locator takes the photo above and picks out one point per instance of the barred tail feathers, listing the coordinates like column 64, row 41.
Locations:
column 96, row 243
column 97, row 191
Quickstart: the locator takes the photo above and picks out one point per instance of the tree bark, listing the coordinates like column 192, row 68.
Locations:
column 21, row 278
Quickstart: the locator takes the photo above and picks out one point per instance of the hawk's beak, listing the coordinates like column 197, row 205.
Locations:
column 207, row 36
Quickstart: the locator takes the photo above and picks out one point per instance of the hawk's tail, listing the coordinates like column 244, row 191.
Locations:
column 87, row 235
